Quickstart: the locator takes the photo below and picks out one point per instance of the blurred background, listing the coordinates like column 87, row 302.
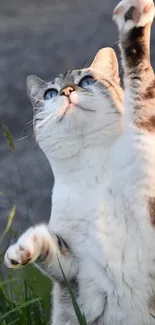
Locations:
column 42, row 37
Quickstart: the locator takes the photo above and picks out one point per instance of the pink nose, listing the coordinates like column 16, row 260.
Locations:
column 67, row 91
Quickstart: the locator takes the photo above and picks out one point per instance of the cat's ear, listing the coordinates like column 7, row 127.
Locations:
column 106, row 62
column 33, row 85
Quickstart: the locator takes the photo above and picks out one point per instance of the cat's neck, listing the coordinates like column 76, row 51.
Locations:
column 83, row 171
column 78, row 187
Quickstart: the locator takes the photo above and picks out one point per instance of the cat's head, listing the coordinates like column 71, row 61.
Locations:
column 79, row 108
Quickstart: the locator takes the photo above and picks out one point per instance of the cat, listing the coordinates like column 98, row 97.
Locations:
column 114, row 251
column 77, row 119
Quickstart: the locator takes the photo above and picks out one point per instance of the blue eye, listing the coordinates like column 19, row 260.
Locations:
column 50, row 93
column 86, row 82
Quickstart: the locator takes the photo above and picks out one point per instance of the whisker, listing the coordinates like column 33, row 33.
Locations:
column 35, row 117
column 37, row 100
column 41, row 113
column 49, row 117
column 89, row 62
column 39, row 116
column 29, row 123
column 26, row 136
column 51, row 120
column 45, row 120
column 117, row 42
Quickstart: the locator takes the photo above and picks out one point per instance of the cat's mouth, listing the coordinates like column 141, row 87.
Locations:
column 71, row 106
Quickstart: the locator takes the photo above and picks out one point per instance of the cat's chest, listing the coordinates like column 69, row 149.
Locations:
column 76, row 207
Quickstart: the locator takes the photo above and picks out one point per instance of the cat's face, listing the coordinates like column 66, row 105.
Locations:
column 77, row 109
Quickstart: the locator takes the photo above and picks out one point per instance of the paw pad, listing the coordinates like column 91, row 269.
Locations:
column 13, row 262
column 132, row 14
column 17, row 256
column 139, row 12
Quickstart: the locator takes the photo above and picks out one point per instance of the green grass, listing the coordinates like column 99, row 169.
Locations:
column 24, row 297
column 25, row 294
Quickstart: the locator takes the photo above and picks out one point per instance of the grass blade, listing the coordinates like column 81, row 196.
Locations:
column 7, row 281
column 9, row 223
column 81, row 318
column 8, row 137
column 152, row 316
column 14, row 321
column 25, row 304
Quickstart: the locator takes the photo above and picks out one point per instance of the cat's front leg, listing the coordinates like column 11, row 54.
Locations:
column 47, row 249
column 134, row 19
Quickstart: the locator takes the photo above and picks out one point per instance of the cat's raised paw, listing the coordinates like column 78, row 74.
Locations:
column 133, row 13
column 17, row 256
column 26, row 250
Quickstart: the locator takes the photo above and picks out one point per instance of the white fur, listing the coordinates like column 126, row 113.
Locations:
column 33, row 244
column 114, row 245
column 78, row 189
column 128, row 237
column 113, row 242
column 78, row 149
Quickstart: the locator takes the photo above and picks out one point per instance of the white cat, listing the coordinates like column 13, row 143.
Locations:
column 113, row 247
column 77, row 118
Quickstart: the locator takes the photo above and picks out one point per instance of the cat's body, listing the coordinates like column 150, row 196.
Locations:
column 78, row 146
column 79, row 217
column 81, row 192
column 79, row 180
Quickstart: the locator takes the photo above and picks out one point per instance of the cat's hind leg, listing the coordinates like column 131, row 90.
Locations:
column 63, row 312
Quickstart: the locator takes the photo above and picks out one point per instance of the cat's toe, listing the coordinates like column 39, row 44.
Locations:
column 17, row 256
column 119, row 9
column 118, row 14
column 137, row 13
column 147, row 11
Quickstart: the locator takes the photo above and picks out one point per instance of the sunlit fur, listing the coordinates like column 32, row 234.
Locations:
column 77, row 139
